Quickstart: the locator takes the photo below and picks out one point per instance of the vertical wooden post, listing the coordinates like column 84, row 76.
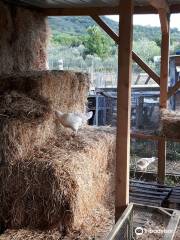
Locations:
column 163, row 97
column 123, row 107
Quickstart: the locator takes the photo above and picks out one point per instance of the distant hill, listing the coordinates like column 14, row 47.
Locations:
column 79, row 25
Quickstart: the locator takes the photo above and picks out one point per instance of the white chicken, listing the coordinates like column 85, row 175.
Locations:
column 73, row 120
column 143, row 163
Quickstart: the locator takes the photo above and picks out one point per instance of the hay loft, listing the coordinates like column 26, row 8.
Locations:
column 170, row 123
column 61, row 184
column 23, row 39
column 66, row 90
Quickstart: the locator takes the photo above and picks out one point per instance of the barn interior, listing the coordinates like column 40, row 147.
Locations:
column 58, row 186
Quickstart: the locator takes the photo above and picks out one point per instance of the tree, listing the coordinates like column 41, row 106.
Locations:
column 96, row 43
column 147, row 49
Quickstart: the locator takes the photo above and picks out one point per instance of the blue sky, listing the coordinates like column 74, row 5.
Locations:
column 151, row 20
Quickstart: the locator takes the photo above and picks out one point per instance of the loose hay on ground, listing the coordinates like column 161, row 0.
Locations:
column 61, row 184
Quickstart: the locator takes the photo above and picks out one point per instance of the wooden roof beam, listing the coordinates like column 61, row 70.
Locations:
column 163, row 10
column 160, row 4
column 86, row 11
column 135, row 57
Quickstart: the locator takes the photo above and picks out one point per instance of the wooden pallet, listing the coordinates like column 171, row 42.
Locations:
column 174, row 198
column 152, row 194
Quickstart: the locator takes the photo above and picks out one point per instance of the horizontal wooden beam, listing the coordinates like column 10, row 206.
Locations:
column 153, row 137
column 145, row 136
column 86, row 11
column 173, row 89
column 135, row 57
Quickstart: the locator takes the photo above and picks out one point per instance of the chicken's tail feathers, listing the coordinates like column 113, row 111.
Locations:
column 89, row 115
column 58, row 113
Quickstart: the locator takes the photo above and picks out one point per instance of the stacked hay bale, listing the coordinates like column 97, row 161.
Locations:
column 67, row 91
column 170, row 123
column 48, row 179
column 23, row 39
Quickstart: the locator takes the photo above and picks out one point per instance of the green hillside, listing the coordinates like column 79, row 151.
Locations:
column 83, row 45
column 79, row 26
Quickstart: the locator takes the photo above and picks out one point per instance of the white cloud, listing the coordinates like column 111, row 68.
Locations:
column 151, row 20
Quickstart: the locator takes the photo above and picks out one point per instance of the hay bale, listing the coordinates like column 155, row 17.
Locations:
column 66, row 90
column 25, row 123
column 30, row 235
column 97, row 227
column 23, row 39
column 60, row 184
column 170, row 123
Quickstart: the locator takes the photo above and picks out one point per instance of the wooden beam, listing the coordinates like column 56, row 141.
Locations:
column 174, row 89
column 145, row 136
column 164, row 75
column 123, row 107
column 163, row 9
column 125, row 217
column 164, row 68
column 146, row 68
column 172, row 226
column 160, row 4
column 164, row 21
column 106, row 28
column 86, row 11
column 161, row 161
column 135, row 57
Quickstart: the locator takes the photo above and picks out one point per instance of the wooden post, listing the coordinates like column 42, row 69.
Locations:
column 163, row 92
column 123, row 107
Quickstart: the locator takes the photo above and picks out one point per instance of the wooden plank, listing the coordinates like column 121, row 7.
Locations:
column 160, row 4
column 150, row 136
column 173, row 89
column 135, row 57
column 86, row 11
column 146, row 68
column 161, row 161
column 136, row 190
column 172, row 226
column 164, row 68
column 123, row 108
column 163, row 99
column 141, row 135
column 120, row 222
column 153, row 188
column 148, row 183
column 147, row 196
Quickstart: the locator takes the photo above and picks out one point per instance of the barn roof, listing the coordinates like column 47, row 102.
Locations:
column 104, row 6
